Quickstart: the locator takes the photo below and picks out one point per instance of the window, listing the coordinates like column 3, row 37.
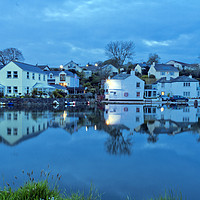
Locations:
column 39, row 77
column 8, row 131
column 138, row 94
column 137, row 119
column 15, row 74
column 33, row 129
column 27, row 130
column 43, row 77
column 186, row 94
column 33, row 76
column 62, row 77
column 162, row 85
column 186, row 84
column 9, row 116
column 27, row 90
column 154, row 93
column 137, row 110
column 162, row 73
column 27, row 75
column 9, row 89
column 9, row 74
column 138, row 84
column 15, row 89
column 38, row 127
column 15, row 116
column 15, row 131
column 50, row 75
column 162, row 93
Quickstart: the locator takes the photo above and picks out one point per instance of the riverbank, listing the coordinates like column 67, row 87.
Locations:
column 44, row 102
column 41, row 191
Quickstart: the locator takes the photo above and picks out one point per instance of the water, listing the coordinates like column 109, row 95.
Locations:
column 134, row 150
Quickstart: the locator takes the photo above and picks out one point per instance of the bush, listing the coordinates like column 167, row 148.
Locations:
column 152, row 76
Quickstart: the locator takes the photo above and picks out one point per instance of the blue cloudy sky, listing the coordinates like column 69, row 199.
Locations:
column 55, row 32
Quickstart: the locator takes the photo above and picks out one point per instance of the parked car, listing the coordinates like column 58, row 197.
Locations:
column 179, row 98
column 165, row 98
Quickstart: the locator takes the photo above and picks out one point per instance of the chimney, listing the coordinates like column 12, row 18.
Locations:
column 132, row 72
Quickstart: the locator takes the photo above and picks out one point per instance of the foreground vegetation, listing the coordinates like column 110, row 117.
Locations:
column 46, row 188
column 42, row 191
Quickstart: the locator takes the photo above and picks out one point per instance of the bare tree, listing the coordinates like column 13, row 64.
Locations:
column 120, row 51
column 10, row 54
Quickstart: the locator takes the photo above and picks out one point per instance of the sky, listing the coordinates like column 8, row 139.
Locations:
column 54, row 32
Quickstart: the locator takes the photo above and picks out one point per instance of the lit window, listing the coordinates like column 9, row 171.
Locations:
column 15, row 74
column 162, row 93
column 9, row 74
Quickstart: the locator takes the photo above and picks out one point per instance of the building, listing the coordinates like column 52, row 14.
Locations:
column 63, row 78
column 183, row 85
column 142, row 68
column 124, row 87
column 72, row 65
column 163, row 70
column 19, row 78
column 178, row 65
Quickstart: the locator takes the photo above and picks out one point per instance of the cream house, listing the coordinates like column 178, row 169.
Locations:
column 163, row 70
column 18, row 78
column 63, row 78
column 72, row 65
column 124, row 87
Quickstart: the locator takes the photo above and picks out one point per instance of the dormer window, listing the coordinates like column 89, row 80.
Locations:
column 50, row 75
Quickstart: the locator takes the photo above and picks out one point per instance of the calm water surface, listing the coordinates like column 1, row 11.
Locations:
column 134, row 150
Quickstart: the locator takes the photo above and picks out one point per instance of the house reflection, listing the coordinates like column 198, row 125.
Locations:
column 17, row 126
column 154, row 120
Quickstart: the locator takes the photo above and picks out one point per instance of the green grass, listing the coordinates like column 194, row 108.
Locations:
column 42, row 191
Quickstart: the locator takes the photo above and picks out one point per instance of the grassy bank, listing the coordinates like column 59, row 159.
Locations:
column 42, row 191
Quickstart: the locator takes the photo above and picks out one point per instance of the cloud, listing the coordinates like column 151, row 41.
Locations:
column 156, row 43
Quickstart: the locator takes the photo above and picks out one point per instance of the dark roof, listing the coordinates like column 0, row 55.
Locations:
column 182, row 63
column 1, row 66
column 178, row 79
column 92, row 68
column 28, row 67
column 42, row 67
column 165, row 68
column 121, row 76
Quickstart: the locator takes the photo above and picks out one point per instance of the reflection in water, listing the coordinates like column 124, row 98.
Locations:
column 119, row 121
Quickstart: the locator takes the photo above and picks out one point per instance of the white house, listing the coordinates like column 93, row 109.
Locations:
column 163, row 70
column 19, row 78
column 142, row 68
column 110, row 69
column 183, row 85
column 178, row 65
column 130, row 116
column 124, row 87
column 17, row 126
column 63, row 78
column 72, row 65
